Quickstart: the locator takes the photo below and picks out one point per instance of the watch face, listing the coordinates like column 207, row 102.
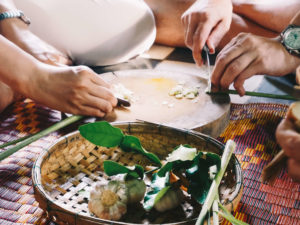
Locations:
column 292, row 38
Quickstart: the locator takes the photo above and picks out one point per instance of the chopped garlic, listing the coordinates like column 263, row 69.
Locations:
column 190, row 95
column 179, row 96
column 178, row 89
column 121, row 92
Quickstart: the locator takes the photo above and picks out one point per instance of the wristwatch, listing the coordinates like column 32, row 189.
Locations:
column 290, row 38
column 14, row 14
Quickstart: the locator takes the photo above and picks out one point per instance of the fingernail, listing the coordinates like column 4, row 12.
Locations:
column 211, row 49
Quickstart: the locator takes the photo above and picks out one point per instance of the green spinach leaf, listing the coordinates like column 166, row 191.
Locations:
column 102, row 134
column 113, row 168
column 132, row 143
column 159, row 186
column 198, row 177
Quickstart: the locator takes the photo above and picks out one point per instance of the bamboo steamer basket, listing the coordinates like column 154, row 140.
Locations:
column 72, row 164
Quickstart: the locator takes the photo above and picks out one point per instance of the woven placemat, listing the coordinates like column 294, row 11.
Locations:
column 252, row 126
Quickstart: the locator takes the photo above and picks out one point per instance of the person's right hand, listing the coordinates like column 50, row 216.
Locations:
column 289, row 140
column 206, row 22
column 77, row 90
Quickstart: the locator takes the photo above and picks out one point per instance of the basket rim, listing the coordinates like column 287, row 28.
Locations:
column 36, row 171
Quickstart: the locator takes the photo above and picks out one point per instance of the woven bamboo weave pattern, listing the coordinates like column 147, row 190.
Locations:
column 71, row 167
column 17, row 202
column 252, row 127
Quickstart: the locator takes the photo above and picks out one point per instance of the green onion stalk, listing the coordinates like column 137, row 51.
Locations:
column 255, row 94
column 213, row 191
column 24, row 141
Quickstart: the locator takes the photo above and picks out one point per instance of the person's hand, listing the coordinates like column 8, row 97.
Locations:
column 76, row 90
column 247, row 55
column 206, row 22
column 289, row 140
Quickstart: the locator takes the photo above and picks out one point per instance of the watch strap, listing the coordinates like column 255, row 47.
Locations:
column 14, row 14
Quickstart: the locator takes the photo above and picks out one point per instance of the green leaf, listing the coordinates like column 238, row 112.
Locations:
column 159, row 186
column 228, row 216
column 179, row 159
column 175, row 165
column 112, row 168
column 102, row 134
column 132, row 143
column 198, row 178
column 213, row 159
column 161, row 193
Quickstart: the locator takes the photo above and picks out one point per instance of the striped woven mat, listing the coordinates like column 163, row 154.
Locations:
column 252, row 126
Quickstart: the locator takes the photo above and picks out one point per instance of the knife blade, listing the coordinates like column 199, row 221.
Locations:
column 206, row 50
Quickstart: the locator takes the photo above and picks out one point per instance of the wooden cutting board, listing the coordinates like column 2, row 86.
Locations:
column 206, row 114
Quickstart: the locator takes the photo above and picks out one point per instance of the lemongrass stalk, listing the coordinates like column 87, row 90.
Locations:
column 215, row 208
column 255, row 94
column 208, row 218
column 213, row 190
column 40, row 134
column 227, row 215
column 15, row 141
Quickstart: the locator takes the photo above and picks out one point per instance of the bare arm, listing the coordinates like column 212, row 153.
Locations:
column 76, row 90
column 19, row 33
column 247, row 55
column 272, row 14
column 14, row 64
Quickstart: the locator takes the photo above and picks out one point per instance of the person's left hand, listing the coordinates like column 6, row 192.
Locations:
column 247, row 55
column 289, row 140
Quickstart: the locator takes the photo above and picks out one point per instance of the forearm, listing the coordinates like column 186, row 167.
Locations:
column 17, row 67
column 10, row 25
column 296, row 19
column 272, row 14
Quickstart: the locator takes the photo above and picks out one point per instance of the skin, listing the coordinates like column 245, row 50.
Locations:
column 289, row 139
column 179, row 21
column 18, row 32
column 40, row 73
column 298, row 75
column 247, row 55
column 206, row 22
